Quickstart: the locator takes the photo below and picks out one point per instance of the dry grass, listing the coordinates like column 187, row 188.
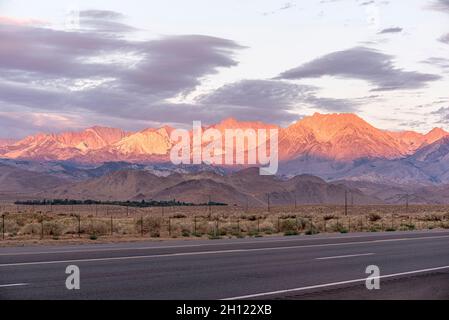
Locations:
column 24, row 223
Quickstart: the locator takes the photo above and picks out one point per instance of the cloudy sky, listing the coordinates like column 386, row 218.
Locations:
column 66, row 65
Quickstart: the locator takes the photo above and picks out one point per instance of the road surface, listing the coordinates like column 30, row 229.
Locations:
column 413, row 265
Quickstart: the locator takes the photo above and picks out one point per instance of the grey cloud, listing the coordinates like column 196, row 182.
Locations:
column 412, row 124
column 442, row 63
column 104, row 21
column 275, row 99
column 285, row 6
column 260, row 100
column 441, row 5
column 364, row 64
column 54, row 54
column 391, row 30
column 20, row 124
column 266, row 94
column 177, row 63
column 105, row 26
column 101, row 14
column 443, row 114
column 36, row 62
column 331, row 104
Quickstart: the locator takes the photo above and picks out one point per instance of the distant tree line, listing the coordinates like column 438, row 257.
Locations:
column 138, row 204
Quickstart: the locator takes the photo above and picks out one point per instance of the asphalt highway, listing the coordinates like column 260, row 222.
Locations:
column 299, row 267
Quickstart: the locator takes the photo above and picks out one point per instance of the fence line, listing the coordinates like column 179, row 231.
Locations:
column 145, row 222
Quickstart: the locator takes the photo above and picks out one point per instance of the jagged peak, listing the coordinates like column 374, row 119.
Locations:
column 341, row 117
column 437, row 131
column 435, row 134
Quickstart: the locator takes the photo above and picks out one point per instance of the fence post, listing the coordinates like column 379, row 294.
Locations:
column 279, row 224
column 349, row 224
column 42, row 226
column 258, row 224
column 141, row 224
column 194, row 225
column 169, row 226
column 112, row 225
column 79, row 225
column 3, row 226
column 217, row 231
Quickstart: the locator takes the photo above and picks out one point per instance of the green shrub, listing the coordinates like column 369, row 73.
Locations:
column 53, row 228
column 151, row 225
column 30, row 229
column 185, row 233
column 407, row 227
column 288, row 225
column 11, row 227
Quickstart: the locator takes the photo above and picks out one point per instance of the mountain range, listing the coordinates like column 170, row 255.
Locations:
column 326, row 150
column 339, row 137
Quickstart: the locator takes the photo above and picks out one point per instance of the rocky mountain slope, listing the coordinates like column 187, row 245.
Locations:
column 239, row 188
column 336, row 137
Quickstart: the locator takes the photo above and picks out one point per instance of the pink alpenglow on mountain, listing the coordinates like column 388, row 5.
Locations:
column 342, row 137
column 6, row 142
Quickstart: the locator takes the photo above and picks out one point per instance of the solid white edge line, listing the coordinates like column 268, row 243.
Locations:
column 211, row 252
column 256, row 295
column 268, row 241
column 13, row 285
column 346, row 256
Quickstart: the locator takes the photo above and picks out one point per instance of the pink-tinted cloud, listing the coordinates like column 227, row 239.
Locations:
column 22, row 21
